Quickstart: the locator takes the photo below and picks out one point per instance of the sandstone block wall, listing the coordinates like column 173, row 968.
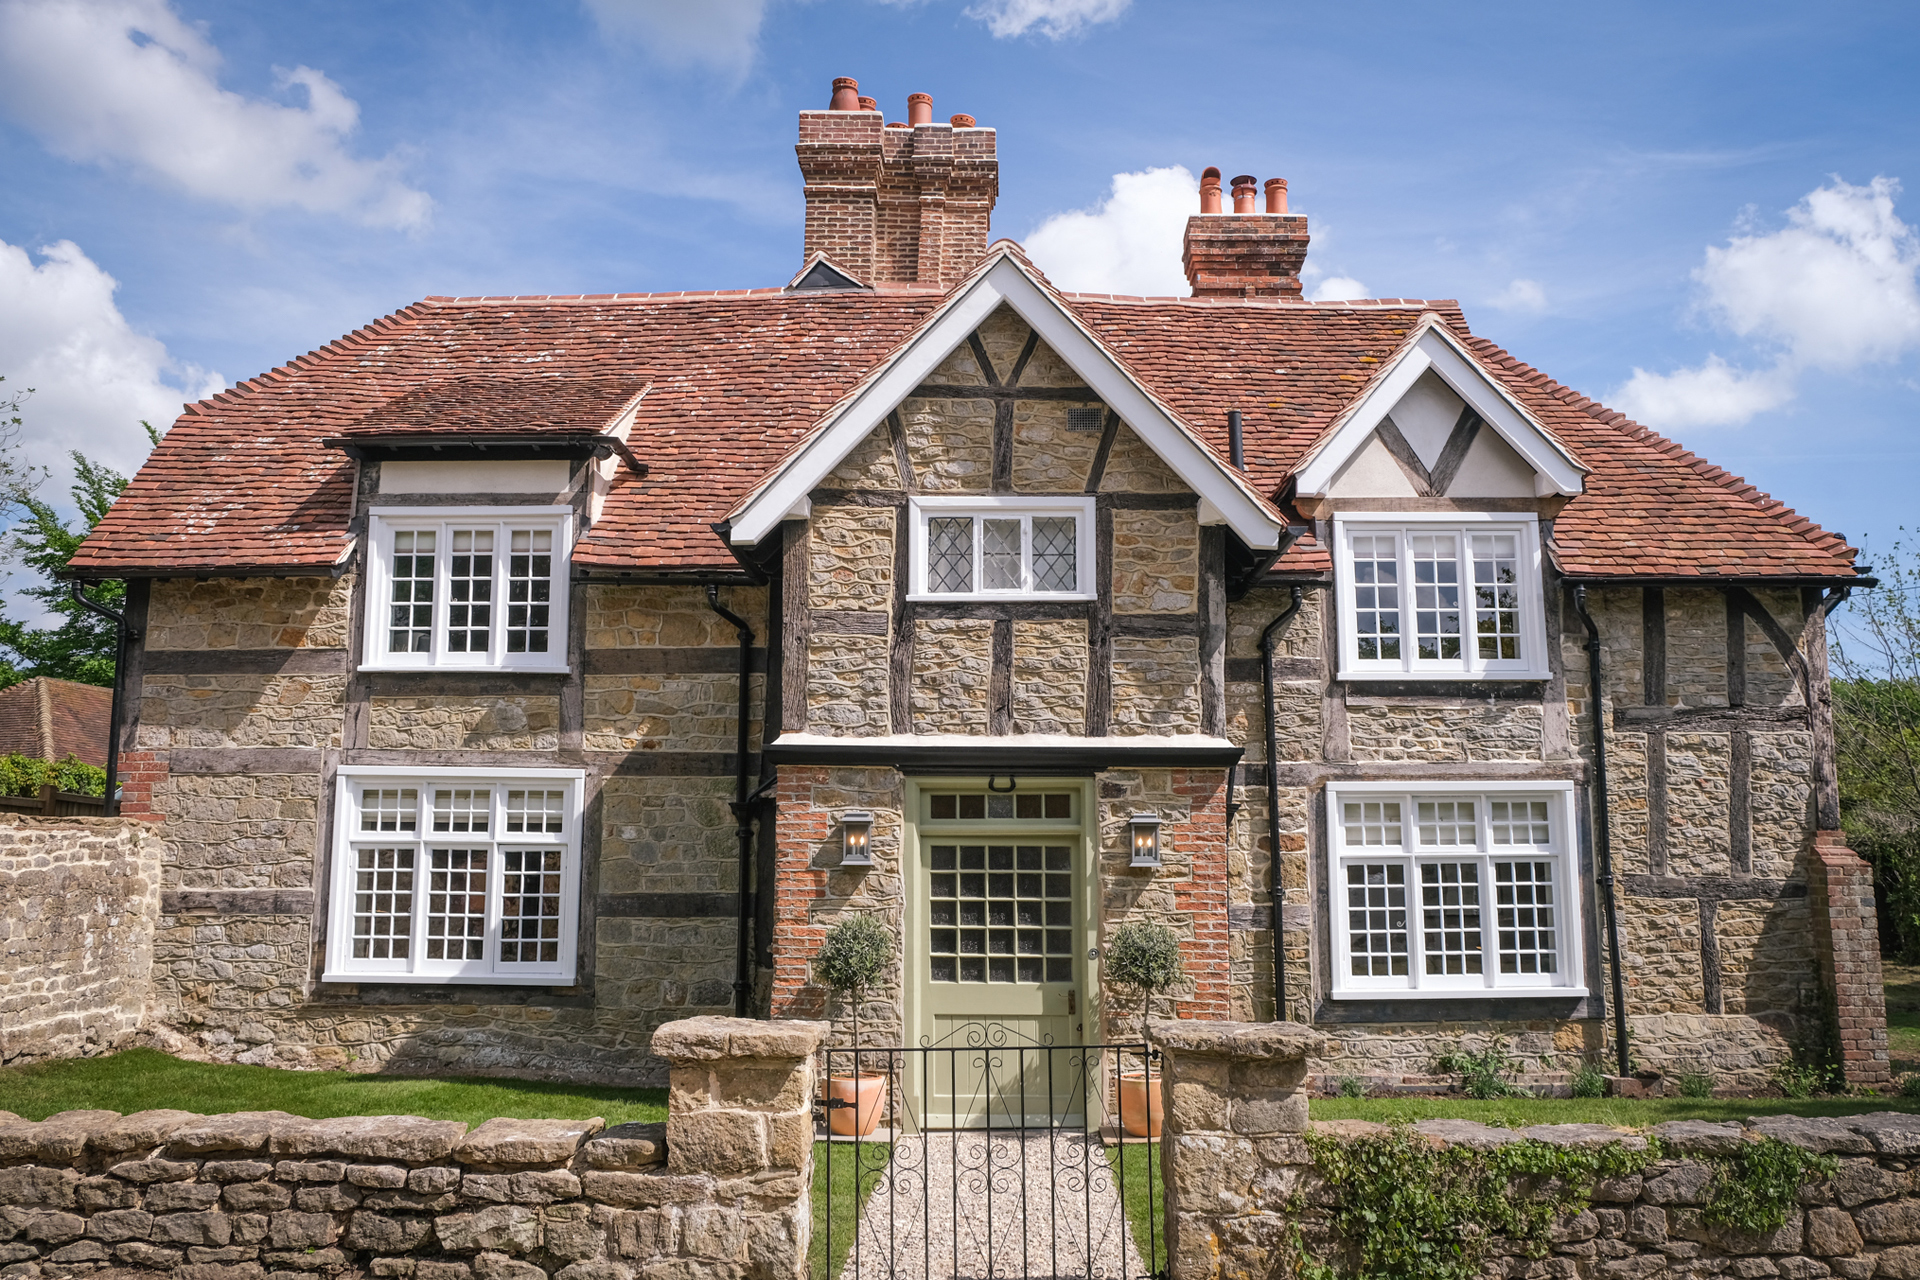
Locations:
column 718, row 1191
column 79, row 903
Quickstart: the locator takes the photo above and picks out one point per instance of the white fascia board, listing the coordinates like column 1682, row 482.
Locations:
column 1433, row 348
column 1005, row 282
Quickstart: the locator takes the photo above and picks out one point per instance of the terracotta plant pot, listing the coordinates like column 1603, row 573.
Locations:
column 866, row 1093
column 1140, row 1105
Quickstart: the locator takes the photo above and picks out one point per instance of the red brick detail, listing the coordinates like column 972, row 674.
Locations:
column 1848, row 938
column 1245, row 255
column 1202, row 897
column 896, row 206
column 140, row 774
column 799, row 884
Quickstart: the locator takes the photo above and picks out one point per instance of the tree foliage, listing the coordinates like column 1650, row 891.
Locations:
column 81, row 645
column 1876, row 704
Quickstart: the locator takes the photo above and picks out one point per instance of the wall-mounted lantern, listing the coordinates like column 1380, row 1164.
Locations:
column 856, row 838
column 1145, row 830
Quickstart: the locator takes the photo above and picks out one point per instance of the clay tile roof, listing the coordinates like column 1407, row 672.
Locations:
column 245, row 483
column 552, row 404
column 53, row 719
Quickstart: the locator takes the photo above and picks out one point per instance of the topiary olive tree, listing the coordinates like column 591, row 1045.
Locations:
column 853, row 957
column 1142, row 956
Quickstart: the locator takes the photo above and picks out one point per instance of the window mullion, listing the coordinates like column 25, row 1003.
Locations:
column 1026, row 555
column 442, row 589
column 496, row 611
column 977, row 526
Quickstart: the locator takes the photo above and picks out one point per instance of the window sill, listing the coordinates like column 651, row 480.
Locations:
column 1465, row 993
column 1000, row 597
column 1350, row 676
column 450, row 980
column 447, row 670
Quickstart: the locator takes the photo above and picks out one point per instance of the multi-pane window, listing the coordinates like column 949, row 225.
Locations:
column 463, row 591
column 1000, row 912
column 1425, row 597
column 455, row 879
column 1016, row 548
column 959, row 806
column 1451, row 891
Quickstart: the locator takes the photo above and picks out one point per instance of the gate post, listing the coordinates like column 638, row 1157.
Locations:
column 740, row 1119
column 1233, row 1146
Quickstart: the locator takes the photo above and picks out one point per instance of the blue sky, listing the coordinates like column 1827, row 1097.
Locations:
column 1692, row 211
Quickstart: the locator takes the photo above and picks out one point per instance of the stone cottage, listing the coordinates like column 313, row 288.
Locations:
column 517, row 673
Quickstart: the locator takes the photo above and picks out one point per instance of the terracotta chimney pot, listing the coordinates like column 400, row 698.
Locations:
column 898, row 124
column 869, row 104
column 846, row 94
column 1210, row 190
column 919, row 108
column 1244, row 187
column 962, row 122
column 1277, row 195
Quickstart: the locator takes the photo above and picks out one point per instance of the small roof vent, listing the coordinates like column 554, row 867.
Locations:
column 824, row 275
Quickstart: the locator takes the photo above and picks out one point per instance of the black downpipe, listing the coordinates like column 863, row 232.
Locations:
column 1273, row 807
column 1603, row 829
column 742, row 806
column 123, row 635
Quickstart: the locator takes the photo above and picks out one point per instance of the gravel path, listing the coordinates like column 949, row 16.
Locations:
column 949, row 1208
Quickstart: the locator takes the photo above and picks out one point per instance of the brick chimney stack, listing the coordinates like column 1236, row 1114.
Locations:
column 1244, row 254
column 896, row 203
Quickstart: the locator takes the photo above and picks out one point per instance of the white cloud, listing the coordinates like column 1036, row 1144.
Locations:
column 1714, row 395
column 94, row 377
column 1339, row 289
column 721, row 34
column 1834, row 289
column 1129, row 243
column 128, row 82
column 1055, row 19
column 1520, row 295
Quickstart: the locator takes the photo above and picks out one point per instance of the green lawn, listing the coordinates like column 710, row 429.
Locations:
column 1903, row 1016
column 1137, row 1178
column 844, row 1198
column 141, row 1079
column 1517, row 1113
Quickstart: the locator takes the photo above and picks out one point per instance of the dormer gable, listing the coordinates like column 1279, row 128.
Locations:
column 1003, row 279
column 1435, row 424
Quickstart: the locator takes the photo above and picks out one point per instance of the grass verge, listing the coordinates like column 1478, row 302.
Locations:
column 1517, row 1113
column 1144, row 1196
column 841, row 1196
column 141, row 1079
column 1903, row 1016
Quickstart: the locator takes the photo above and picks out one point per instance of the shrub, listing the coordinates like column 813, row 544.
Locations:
column 1910, row 1085
column 1589, row 1081
column 1696, row 1084
column 25, row 775
column 1800, row 1081
column 1142, row 956
column 856, row 952
column 1352, row 1087
column 1487, row 1074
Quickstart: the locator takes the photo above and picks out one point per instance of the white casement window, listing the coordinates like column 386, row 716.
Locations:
column 460, row 875
column 1454, row 596
column 1002, row 548
column 1453, row 890
column 477, row 587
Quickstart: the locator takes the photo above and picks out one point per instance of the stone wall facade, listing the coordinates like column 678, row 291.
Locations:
column 719, row 1191
column 79, row 903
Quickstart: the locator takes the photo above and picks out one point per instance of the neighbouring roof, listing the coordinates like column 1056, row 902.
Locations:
column 243, row 482
column 54, row 719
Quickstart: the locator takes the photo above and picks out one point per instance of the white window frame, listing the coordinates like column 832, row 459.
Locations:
column 1004, row 507
column 1532, row 662
column 384, row 522
column 1562, row 851
column 343, row 966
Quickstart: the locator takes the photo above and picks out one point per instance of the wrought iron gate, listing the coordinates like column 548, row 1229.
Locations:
column 989, row 1156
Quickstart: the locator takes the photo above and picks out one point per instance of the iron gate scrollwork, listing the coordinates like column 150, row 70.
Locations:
column 990, row 1156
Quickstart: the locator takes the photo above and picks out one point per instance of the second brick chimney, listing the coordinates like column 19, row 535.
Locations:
column 1244, row 254
column 896, row 204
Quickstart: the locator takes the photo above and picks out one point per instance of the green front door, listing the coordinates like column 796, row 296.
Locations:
column 1000, row 944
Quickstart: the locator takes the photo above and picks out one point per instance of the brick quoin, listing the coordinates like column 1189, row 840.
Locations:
column 798, row 885
column 140, row 773
column 1203, row 896
column 1841, row 888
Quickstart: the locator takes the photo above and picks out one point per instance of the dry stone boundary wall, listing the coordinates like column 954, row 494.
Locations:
column 719, row 1191
column 79, row 902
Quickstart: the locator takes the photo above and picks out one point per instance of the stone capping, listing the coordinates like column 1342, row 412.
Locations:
column 1237, row 1041
column 260, row 1194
